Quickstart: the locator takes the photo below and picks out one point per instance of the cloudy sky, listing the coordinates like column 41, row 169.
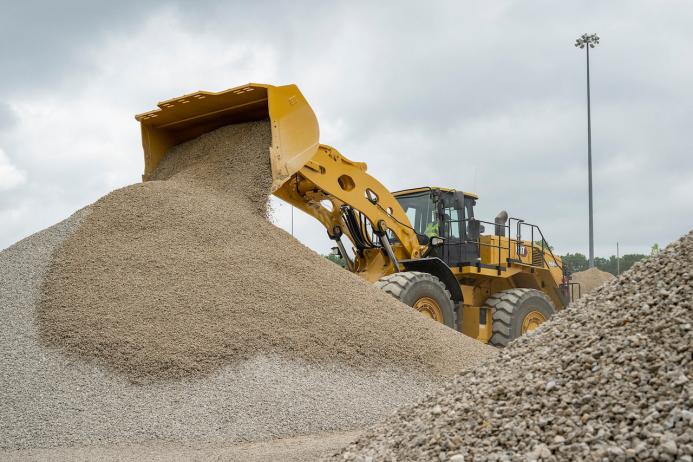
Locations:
column 481, row 96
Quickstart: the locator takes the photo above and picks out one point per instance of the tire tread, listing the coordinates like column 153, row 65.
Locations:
column 396, row 285
column 503, row 305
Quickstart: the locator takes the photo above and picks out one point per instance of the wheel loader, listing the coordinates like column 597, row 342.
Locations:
column 424, row 246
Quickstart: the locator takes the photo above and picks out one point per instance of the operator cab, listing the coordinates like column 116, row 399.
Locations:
column 445, row 213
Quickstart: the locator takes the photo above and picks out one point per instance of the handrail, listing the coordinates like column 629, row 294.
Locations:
column 543, row 240
column 478, row 242
column 514, row 241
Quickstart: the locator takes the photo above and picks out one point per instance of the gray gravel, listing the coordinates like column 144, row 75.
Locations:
column 607, row 379
column 51, row 400
column 298, row 449
column 173, row 311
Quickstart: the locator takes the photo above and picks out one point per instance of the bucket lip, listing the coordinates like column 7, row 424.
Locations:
column 150, row 117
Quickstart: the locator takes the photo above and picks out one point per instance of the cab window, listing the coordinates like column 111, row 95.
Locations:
column 452, row 223
column 469, row 204
column 420, row 211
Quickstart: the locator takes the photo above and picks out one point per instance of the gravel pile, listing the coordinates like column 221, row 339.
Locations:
column 173, row 311
column 607, row 379
column 180, row 277
column 590, row 279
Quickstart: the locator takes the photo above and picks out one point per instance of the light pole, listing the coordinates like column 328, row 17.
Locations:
column 588, row 41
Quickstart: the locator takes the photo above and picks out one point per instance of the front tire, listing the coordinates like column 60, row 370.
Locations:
column 516, row 312
column 422, row 291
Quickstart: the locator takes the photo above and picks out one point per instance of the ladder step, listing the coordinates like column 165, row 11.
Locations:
column 537, row 257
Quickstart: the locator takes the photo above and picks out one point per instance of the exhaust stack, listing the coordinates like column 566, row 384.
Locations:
column 500, row 221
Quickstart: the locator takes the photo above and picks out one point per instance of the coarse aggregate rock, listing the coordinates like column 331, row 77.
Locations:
column 174, row 312
column 609, row 378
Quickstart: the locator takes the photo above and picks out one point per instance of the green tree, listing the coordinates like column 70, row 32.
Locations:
column 605, row 264
column 546, row 245
column 629, row 260
column 655, row 249
column 610, row 265
column 574, row 262
column 578, row 262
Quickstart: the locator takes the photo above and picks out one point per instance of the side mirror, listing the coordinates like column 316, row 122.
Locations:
column 436, row 241
column 474, row 228
column 482, row 230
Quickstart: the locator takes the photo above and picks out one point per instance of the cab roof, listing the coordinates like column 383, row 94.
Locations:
column 405, row 192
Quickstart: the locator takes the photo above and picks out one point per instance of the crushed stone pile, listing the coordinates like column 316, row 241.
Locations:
column 174, row 311
column 590, row 279
column 184, row 275
column 610, row 378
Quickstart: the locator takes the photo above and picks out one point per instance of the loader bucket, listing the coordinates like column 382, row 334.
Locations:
column 295, row 132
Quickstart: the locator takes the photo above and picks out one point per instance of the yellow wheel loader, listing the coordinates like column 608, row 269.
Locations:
column 424, row 246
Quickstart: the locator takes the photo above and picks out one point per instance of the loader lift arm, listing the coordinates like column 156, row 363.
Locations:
column 345, row 199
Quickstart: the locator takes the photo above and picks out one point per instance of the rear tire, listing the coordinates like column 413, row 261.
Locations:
column 517, row 311
column 422, row 291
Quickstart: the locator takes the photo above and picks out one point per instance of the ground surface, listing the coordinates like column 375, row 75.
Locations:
column 299, row 449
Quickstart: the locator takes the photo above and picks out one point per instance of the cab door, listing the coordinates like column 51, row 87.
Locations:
column 461, row 247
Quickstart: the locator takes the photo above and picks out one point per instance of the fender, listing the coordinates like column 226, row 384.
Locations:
column 438, row 268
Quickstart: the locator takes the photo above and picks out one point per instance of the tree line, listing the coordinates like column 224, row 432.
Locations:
column 575, row 262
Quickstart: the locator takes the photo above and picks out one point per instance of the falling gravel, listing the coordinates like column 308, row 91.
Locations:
column 174, row 311
column 607, row 379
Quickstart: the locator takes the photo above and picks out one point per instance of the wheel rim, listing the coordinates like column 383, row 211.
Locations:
column 532, row 320
column 429, row 308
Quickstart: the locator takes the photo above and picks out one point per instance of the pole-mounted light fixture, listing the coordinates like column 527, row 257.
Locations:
column 588, row 41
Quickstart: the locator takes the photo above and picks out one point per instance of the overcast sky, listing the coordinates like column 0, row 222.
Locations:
column 484, row 96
